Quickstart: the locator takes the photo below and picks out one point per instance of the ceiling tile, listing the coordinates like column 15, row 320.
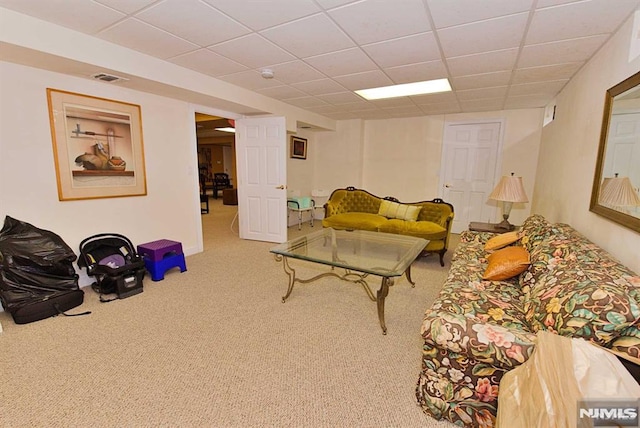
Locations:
column 417, row 72
column 126, row 6
column 295, row 72
column 340, row 98
column 361, row 105
column 482, row 105
column 548, row 72
column 193, row 20
column 86, row 17
column 441, row 108
column 259, row 15
column 440, row 97
column 575, row 20
column 483, row 62
column 282, row 92
column 547, row 3
column 393, row 102
column 321, row 50
column 145, row 38
column 500, row 78
column 408, row 111
column 207, row 62
column 490, row 35
column 447, row 13
column 339, row 63
column 310, row 36
column 252, row 51
column 328, row 4
column 371, row 21
column 406, row 50
column 551, row 88
column 306, row 102
column 528, row 101
column 366, row 80
column 319, row 87
column 484, row 93
column 251, row 80
column 574, row 50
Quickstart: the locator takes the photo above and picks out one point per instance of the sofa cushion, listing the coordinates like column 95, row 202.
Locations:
column 420, row 229
column 575, row 288
column 355, row 220
column 466, row 293
column 534, row 230
column 506, row 263
column 390, row 209
column 502, row 240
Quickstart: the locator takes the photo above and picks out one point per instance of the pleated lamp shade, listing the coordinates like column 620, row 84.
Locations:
column 509, row 189
column 618, row 192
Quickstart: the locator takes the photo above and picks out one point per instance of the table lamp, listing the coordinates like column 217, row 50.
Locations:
column 508, row 191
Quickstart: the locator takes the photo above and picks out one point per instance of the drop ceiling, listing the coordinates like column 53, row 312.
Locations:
column 497, row 54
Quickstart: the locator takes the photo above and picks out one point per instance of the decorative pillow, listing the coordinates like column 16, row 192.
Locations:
column 507, row 263
column 391, row 209
column 502, row 240
column 388, row 209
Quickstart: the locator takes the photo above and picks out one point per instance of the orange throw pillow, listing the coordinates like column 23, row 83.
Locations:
column 502, row 240
column 507, row 263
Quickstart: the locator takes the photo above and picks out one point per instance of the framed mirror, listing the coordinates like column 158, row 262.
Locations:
column 616, row 184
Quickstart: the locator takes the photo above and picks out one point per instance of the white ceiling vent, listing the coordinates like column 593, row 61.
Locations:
column 108, row 77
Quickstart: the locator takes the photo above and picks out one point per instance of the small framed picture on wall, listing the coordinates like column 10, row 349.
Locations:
column 298, row 147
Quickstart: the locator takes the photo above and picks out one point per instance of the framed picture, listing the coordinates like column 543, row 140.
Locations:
column 298, row 147
column 97, row 146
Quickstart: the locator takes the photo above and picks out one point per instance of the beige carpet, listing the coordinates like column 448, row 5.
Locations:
column 216, row 347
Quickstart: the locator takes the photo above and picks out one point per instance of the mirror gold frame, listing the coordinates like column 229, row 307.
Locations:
column 619, row 216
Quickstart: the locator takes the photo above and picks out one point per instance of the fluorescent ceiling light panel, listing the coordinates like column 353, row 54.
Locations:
column 406, row 89
column 226, row 129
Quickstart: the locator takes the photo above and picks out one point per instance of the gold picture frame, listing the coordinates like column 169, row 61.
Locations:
column 97, row 146
column 298, row 147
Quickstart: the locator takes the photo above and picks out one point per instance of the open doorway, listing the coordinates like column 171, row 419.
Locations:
column 215, row 141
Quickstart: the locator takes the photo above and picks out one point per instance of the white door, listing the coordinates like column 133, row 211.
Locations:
column 469, row 160
column 262, row 177
column 623, row 151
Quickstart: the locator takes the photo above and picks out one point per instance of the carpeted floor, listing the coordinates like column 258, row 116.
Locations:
column 216, row 347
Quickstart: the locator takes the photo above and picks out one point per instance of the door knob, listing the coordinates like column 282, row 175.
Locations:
column 281, row 187
column 447, row 186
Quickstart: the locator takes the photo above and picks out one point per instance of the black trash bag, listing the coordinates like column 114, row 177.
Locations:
column 19, row 288
column 24, row 245
column 37, row 277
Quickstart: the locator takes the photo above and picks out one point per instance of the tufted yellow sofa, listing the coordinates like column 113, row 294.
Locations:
column 353, row 208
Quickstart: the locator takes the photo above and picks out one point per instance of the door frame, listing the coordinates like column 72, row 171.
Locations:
column 498, row 168
column 193, row 168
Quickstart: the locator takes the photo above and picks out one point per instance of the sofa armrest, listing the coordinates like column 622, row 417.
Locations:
column 489, row 343
column 329, row 209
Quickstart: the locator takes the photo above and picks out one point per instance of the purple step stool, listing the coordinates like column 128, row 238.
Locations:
column 162, row 255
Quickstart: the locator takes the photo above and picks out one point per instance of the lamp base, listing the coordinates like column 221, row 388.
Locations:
column 486, row 227
column 505, row 225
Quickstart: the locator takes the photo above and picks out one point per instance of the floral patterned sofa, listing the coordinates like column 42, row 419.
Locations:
column 476, row 330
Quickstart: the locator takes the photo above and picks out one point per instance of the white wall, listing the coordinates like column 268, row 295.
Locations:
column 569, row 151
column 401, row 157
column 28, row 189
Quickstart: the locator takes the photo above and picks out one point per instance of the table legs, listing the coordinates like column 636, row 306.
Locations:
column 383, row 292
column 350, row 276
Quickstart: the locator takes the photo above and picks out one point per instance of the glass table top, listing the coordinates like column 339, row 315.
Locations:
column 376, row 253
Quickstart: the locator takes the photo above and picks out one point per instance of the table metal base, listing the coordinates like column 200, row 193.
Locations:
column 350, row 276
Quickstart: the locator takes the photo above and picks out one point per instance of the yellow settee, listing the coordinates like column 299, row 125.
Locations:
column 351, row 209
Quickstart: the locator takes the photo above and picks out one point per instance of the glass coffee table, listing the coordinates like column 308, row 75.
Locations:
column 360, row 253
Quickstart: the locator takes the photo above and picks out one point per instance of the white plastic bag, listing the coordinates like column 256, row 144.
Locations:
column 545, row 391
